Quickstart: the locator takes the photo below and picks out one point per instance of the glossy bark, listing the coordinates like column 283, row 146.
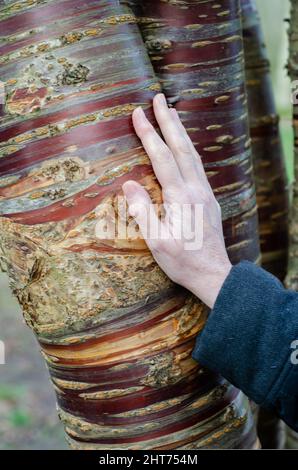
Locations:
column 116, row 334
column 269, row 167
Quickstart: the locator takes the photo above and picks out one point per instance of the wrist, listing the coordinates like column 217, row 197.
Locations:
column 219, row 280
column 209, row 285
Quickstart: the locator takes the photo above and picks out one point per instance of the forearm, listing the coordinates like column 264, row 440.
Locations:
column 248, row 339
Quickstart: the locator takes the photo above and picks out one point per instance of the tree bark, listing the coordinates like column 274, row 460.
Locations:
column 116, row 334
column 269, row 167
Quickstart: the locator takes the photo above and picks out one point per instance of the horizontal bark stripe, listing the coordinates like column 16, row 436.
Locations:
column 151, row 416
column 136, row 320
column 208, row 52
column 136, row 401
column 116, row 370
column 137, row 345
column 81, row 205
column 50, row 36
column 83, row 108
column 51, row 11
column 39, row 151
column 197, row 417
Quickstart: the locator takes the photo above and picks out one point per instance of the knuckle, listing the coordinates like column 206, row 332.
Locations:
column 189, row 195
column 170, row 193
column 181, row 147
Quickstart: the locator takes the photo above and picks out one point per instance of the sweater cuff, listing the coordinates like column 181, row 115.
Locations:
column 244, row 339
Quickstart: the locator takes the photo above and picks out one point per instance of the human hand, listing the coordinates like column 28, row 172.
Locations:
column 179, row 170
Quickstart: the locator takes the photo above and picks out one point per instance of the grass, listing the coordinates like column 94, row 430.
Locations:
column 19, row 418
column 11, row 393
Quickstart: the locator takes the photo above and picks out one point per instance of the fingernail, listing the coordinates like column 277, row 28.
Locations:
column 161, row 99
column 128, row 188
column 140, row 113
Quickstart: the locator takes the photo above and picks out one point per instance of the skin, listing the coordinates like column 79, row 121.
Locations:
column 179, row 170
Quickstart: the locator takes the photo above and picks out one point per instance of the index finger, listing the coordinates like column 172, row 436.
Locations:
column 163, row 162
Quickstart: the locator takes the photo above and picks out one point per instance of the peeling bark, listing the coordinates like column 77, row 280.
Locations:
column 116, row 334
column 269, row 167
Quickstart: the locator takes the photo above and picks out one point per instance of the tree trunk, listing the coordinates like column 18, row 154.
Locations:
column 270, row 174
column 271, row 179
column 116, row 334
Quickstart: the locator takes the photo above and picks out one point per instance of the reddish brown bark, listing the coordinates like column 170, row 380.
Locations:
column 116, row 334
column 269, row 167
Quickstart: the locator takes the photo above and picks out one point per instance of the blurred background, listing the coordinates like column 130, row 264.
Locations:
column 274, row 14
column 27, row 403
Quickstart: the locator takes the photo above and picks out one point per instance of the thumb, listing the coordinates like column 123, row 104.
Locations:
column 141, row 208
